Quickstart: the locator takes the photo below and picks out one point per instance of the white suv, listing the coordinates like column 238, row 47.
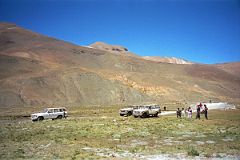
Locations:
column 50, row 113
column 146, row 111
column 127, row 111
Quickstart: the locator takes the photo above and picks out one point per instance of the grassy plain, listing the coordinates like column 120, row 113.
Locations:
column 100, row 133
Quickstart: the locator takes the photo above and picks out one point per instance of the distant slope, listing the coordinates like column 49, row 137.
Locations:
column 233, row 68
column 167, row 60
column 38, row 70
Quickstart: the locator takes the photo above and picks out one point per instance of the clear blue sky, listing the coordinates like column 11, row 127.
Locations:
column 205, row 31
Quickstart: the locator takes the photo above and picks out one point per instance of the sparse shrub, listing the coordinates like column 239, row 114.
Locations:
column 77, row 152
column 233, row 147
column 208, row 155
column 192, row 152
column 19, row 153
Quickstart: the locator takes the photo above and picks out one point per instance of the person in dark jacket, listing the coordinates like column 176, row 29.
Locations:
column 205, row 111
column 179, row 113
column 198, row 112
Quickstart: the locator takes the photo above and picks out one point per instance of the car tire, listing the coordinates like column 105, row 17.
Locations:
column 59, row 117
column 135, row 116
column 156, row 115
column 40, row 118
column 129, row 113
column 144, row 115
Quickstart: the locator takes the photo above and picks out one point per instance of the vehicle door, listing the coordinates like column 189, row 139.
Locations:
column 151, row 110
column 56, row 112
column 50, row 114
column 157, row 109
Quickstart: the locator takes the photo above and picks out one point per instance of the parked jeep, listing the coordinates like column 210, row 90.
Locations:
column 50, row 113
column 146, row 111
column 127, row 111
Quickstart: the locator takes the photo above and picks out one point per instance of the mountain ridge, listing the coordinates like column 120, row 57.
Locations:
column 118, row 49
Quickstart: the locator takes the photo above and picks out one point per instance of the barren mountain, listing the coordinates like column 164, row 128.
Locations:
column 233, row 68
column 38, row 70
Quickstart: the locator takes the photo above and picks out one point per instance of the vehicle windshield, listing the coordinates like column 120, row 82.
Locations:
column 135, row 107
column 45, row 110
column 142, row 107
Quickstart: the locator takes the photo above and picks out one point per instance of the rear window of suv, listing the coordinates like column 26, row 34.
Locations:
column 62, row 109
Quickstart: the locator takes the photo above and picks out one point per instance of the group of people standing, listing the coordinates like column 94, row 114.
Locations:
column 184, row 112
column 188, row 112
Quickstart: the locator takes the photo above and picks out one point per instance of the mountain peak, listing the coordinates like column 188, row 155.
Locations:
column 5, row 25
column 109, row 48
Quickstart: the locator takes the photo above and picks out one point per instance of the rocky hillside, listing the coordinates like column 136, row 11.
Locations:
column 110, row 48
column 115, row 49
column 37, row 70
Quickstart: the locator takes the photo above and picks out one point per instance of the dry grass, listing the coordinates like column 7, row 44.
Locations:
column 99, row 132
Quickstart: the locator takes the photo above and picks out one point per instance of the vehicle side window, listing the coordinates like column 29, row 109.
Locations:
column 55, row 110
column 61, row 110
column 50, row 111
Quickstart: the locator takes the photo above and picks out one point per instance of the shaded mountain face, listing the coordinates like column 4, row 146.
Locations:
column 37, row 70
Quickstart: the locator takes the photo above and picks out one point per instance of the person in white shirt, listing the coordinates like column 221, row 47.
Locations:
column 189, row 112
